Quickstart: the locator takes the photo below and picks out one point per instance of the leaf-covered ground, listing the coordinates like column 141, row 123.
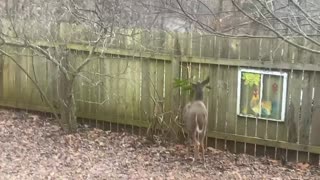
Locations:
column 32, row 147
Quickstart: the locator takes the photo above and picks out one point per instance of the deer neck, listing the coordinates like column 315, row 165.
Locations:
column 198, row 96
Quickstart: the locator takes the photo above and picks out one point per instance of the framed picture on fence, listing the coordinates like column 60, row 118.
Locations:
column 262, row 94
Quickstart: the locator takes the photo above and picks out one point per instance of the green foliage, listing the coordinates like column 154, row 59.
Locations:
column 251, row 79
column 184, row 84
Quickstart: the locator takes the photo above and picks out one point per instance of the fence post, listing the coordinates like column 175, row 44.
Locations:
column 175, row 68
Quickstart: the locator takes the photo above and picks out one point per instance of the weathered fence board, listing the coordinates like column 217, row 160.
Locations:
column 213, row 95
column 1, row 75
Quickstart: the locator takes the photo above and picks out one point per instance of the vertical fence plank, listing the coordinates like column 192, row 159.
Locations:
column 95, row 80
column 168, row 91
column 222, row 102
column 175, row 74
column 231, row 109
column 245, row 51
column 207, row 46
column 53, row 77
column 126, row 111
column 293, row 118
column 280, row 50
column 20, row 84
column 160, row 81
column 304, row 122
column 224, row 47
column 315, row 108
column 159, row 90
column 254, row 49
column 280, row 54
column 145, row 91
column 83, row 90
column 101, row 92
column 184, row 67
column 5, row 76
column 152, row 88
column 17, row 75
column 195, row 72
column 213, row 96
column 315, row 115
column 122, row 85
column 112, row 91
column 135, row 89
column 138, row 95
column 196, row 44
column 313, row 158
column 315, row 125
column 10, row 76
column 37, row 70
column 234, row 48
column 25, row 57
column 1, row 76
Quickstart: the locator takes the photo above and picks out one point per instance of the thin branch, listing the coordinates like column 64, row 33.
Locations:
column 287, row 25
column 49, row 57
column 89, row 57
column 274, row 31
column 92, row 102
column 304, row 12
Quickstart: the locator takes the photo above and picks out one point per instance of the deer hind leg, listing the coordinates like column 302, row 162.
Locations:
column 196, row 145
column 189, row 143
column 202, row 145
column 196, row 151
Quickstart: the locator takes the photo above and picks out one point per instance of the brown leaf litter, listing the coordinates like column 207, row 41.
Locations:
column 32, row 147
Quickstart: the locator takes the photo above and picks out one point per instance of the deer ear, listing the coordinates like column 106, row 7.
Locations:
column 205, row 81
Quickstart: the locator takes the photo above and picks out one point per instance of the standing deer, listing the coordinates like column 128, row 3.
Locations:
column 195, row 117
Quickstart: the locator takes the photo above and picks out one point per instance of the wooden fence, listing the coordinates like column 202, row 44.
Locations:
column 123, row 82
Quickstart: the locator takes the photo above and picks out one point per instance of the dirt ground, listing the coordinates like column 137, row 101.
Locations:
column 33, row 147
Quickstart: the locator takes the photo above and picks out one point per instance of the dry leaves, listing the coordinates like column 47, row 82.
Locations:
column 32, row 147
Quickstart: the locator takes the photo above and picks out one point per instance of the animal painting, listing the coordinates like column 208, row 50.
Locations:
column 266, row 106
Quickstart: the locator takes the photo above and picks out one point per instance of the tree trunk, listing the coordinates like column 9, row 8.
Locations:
column 67, row 106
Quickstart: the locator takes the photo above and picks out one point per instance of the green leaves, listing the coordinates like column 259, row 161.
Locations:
column 184, row 84
column 251, row 79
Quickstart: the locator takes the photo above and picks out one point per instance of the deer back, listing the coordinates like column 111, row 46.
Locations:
column 195, row 115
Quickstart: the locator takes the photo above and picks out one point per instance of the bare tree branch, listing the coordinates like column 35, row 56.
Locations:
column 286, row 39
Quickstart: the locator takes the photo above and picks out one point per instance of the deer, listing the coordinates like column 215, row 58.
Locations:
column 195, row 117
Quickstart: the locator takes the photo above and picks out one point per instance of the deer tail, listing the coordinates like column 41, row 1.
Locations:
column 197, row 126
column 198, row 131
